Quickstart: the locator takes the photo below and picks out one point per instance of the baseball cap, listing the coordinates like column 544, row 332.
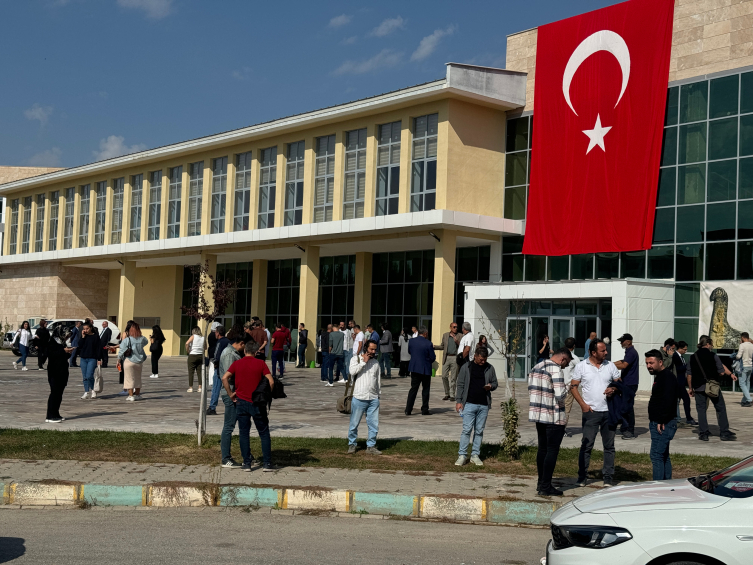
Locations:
column 625, row 337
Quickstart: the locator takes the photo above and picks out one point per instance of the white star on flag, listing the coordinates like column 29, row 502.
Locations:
column 596, row 135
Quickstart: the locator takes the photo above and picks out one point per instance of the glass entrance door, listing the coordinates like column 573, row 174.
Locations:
column 562, row 328
column 583, row 328
column 517, row 338
column 539, row 329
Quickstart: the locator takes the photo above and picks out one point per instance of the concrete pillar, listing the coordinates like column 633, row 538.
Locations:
column 406, row 138
column 185, row 180
column 369, row 204
column 127, row 298
column 206, row 196
column 230, row 193
column 282, row 162
column 172, row 329
column 444, row 283
column 259, row 289
column 308, row 180
column 164, row 198
column 309, row 296
column 339, row 192
column 76, row 217
column 145, row 207
column 495, row 261
column 92, row 212
column 362, row 290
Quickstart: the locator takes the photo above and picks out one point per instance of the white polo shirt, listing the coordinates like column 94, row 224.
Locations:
column 467, row 340
column 594, row 381
column 567, row 372
column 356, row 340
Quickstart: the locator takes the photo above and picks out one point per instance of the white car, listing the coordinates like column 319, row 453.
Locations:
column 707, row 520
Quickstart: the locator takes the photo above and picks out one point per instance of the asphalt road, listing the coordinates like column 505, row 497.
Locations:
column 183, row 536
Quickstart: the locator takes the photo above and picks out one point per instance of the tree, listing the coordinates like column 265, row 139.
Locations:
column 210, row 298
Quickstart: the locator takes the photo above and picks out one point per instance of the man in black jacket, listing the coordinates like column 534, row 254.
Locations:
column 662, row 414
column 105, row 341
column 41, row 339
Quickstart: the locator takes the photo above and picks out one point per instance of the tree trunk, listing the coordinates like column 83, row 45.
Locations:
column 203, row 395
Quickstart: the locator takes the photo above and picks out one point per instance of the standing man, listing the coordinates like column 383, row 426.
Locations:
column 421, row 359
column 628, row 368
column 269, row 339
column 466, row 345
column 357, row 341
column 105, row 341
column 746, row 354
column 385, row 359
column 373, row 336
column 476, row 382
column 259, row 336
column 568, row 374
column 232, row 353
column 450, row 341
column 348, row 348
column 221, row 342
column 75, row 338
column 591, row 337
column 667, row 355
column 41, row 340
column 367, row 387
column 704, row 368
column 547, row 393
column 336, row 355
column 662, row 409
column 678, row 362
column 303, row 340
column 414, row 329
column 324, row 344
column 279, row 339
column 595, row 375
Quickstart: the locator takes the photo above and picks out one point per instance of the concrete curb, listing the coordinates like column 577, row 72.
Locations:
column 288, row 500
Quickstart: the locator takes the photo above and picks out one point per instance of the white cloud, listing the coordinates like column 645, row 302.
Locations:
column 341, row 20
column 429, row 43
column 243, row 73
column 154, row 9
column 113, row 146
column 349, row 40
column 384, row 59
column 388, row 26
column 39, row 113
column 49, row 158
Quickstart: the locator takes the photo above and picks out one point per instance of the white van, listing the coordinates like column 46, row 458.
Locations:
column 69, row 323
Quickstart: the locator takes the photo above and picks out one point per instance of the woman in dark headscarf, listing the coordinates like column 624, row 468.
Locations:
column 57, row 372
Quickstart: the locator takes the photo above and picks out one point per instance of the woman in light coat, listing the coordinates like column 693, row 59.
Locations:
column 133, row 363
column 402, row 343
column 24, row 337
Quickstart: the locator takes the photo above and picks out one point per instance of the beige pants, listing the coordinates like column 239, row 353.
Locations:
column 450, row 376
column 569, row 400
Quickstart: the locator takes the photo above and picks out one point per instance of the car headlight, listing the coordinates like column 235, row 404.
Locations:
column 595, row 537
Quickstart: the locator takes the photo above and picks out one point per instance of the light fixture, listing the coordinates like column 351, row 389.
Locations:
column 119, row 261
column 299, row 247
column 432, row 234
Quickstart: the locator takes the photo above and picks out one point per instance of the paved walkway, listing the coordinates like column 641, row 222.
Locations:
column 309, row 410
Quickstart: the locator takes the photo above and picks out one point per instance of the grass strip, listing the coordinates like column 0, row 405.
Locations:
column 413, row 456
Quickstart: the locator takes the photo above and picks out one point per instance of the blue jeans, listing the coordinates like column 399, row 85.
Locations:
column 357, row 409
column 216, row 389
column 87, row 371
column 659, row 453
column 347, row 356
column 24, row 350
column 474, row 418
column 325, row 367
column 302, row 354
column 744, row 382
column 245, row 412
column 385, row 364
column 231, row 417
column 335, row 360
column 278, row 359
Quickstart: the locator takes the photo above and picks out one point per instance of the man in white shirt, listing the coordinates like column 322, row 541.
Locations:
column 567, row 372
column 746, row 354
column 466, row 345
column 595, row 375
column 365, row 373
column 357, row 342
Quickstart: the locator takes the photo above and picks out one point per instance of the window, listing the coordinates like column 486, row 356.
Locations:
column 424, row 170
column 173, row 202
column 355, row 174
column 267, row 185
column 195, row 191
column 83, row 215
column 517, row 161
column 137, row 191
column 118, row 186
column 388, row 169
column 471, row 265
column 39, row 225
column 100, row 213
column 155, row 205
column 54, row 216
column 219, row 195
column 13, row 227
column 283, row 292
column 26, row 229
column 239, row 310
column 324, row 179
column 294, row 184
column 70, row 201
column 337, row 278
column 242, row 191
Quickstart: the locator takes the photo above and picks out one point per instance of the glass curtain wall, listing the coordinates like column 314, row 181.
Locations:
column 471, row 265
column 337, row 279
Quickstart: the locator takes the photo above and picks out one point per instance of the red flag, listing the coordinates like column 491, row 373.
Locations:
column 601, row 89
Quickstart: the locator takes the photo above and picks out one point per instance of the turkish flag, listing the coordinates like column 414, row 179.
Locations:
column 600, row 96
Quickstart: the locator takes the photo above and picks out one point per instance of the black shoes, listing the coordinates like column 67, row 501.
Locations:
column 427, row 413
column 211, row 412
column 703, row 437
column 407, row 412
column 628, row 435
column 551, row 491
column 446, row 398
column 728, row 437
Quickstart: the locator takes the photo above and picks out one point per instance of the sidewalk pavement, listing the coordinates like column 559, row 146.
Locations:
column 310, row 410
column 474, row 497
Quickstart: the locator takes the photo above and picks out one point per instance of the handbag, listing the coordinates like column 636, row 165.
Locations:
column 128, row 352
column 345, row 403
column 712, row 387
column 98, row 383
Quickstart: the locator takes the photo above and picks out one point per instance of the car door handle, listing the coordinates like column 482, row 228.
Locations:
column 745, row 538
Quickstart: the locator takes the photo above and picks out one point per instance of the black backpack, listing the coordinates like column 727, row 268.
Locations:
column 263, row 395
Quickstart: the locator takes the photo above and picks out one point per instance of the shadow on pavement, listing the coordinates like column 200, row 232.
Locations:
column 11, row 548
column 98, row 415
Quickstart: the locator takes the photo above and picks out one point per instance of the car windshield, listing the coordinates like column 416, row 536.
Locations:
column 733, row 482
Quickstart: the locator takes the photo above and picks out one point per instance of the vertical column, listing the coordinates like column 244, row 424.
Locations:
column 259, row 289
column 46, row 223
column 76, row 216
column 406, row 124
column 33, row 225
column 253, row 212
column 369, row 204
column 443, row 137
column 127, row 299
column 280, row 195
column 185, row 180
column 92, row 212
column 61, row 218
column 444, row 283
column 144, row 207
column 108, row 215
column 362, row 290
column 309, row 296
column 206, row 196
column 165, row 197
column 309, row 172
column 339, row 189
column 495, row 261
column 173, row 336
column 230, row 194
column 125, row 234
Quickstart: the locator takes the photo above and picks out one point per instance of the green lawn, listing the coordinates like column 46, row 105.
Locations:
column 398, row 455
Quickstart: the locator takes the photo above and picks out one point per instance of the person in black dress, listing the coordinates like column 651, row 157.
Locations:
column 155, row 348
column 57, row 372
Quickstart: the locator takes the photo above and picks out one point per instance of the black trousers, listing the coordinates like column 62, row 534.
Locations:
column 686, row 402
column 630, row 416
column 155, row 361
column 105, row 357
column 403, row 369
column 57, row 382
column 423, row 381
column 550, row 439
column 41, row 357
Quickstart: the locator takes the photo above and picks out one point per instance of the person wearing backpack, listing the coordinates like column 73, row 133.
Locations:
column 365, row 374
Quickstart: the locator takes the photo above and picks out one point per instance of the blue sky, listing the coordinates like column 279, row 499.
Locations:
column 91, row 79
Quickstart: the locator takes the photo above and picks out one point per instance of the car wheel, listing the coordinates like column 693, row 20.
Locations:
column 686, row 563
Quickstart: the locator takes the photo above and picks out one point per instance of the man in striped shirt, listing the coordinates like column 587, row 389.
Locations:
column 546, row 393
column 365, row 374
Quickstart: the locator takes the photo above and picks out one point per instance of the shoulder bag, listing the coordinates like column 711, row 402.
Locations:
column 128, row 352
column 345, row 402
column 712, row 387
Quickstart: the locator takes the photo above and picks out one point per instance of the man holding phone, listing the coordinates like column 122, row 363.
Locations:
column 364, row 370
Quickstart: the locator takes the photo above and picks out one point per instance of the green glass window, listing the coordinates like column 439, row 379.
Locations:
column 720, row 221
column 558, row 268
column 661, row 262
column 664, row 226
column 669, row 147
column 512, row 244
column 691, row 184
column 722, row 181
column 517, row 134
column 745, row 260
column 687, row 299
column 667, row 181
column 690, row 224
column 745, row 186
column 723, row 139
column 692, row 143
column 515, row 203
column 745, row 220
column 720, row 261
column 686, row 329
column 634, row 265
column 535, row 267
column 512, row 268
column 723, row 96
column 746, row 135
column 608, row 265
column 746, row 93
column 673, row 105
column 582, row 267
column 693, row 102
column 689, row 262
column 515, row 168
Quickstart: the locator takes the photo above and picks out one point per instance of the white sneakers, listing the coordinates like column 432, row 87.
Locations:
column 93, row 395
column 41, row 368
column 476, row 460
column 15, row 364
column 190, row 389
column 329, row 384
column 199, row 390
column 24, row 368
column 130, row 399
column 462, row 460
column 54, row 421
column 154, row 376
column 85, row 396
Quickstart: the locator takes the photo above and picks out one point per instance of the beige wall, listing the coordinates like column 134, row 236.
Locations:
column 709, row 36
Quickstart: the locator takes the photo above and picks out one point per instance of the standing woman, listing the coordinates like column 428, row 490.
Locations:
column 24, row 337
column 195, row 350
column 131, row 357
column 155, row 348
column 543, row 349
column 483, row 342
column 402, row 342
column 57, row 372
